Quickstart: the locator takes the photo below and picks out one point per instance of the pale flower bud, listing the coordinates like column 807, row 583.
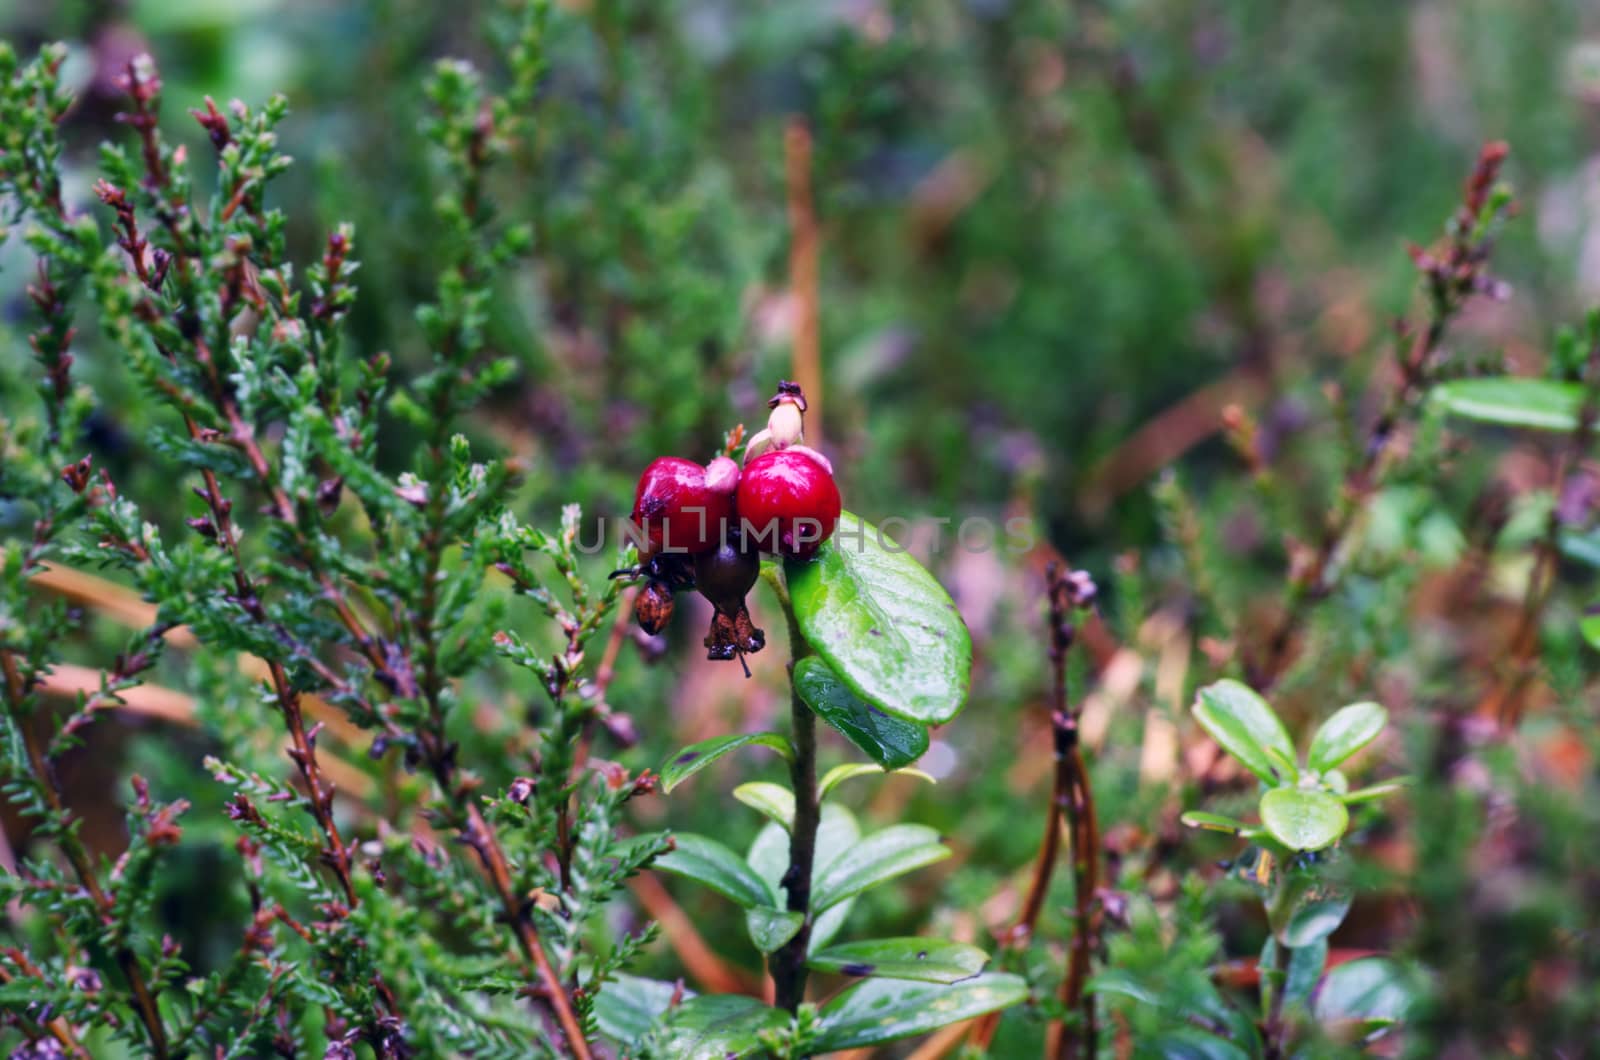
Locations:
column 786, row 424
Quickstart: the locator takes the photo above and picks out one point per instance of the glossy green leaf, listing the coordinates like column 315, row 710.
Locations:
column 1244, row 725
column 1346, row 732
column 882, row 1010
column 774, row 800
column 881, row 856
column 839, row 774
column 1192, row 1043
column 717, row 1027
column 709, row 862
column 1310, row 904
column 1376, row 791
column 883, row 623
column 629, row 1006
column 925, row 960
column 1305, row 968
column 769, row 857
column 1589, row 624
column 1216, row 822
column 1372, row 988
column 692, row 759
column 1303, row 820
column 1120, row 982
column 769, row 929
column 1513, row 401
column 890, row 741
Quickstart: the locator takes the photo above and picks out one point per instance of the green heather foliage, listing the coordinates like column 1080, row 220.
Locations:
column 333, row 340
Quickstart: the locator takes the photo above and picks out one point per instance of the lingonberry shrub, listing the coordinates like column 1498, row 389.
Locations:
column 878, row 652
column 314, row 706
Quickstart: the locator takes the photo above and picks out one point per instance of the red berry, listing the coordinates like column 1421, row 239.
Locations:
column 676, row 510
column 788, row 502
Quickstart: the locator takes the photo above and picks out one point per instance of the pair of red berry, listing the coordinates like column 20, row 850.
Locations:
column 703, row 526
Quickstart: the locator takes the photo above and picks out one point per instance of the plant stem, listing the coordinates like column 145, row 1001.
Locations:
column 1273, row 1029
column 789, row 963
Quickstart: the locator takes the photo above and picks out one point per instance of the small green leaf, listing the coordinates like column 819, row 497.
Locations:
column 883, row 623
column 1589, row 624
column 1513, row 401
column 719, row 1026
column 881, row 1010
column 1244, row 725
column 1376, row 791
column 1346, row 732
column 890, row 741
column 774, row 800
column 1192, row 1043
column 839, row 774
column 1372, row 988
column 1122, row 983
column 770, row 928
column 1310, row 904
column 1288, row 772
column 881, row 856
column 628, row 1006
column 1216, row 822
column 1303, row 820
column 692, row 759
column 769, row 857
column 926, row 960
column 1305, row 968
column 719, row 868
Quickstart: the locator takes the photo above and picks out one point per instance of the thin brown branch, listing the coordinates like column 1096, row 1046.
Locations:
column 16, row 695
column 1452, row 276
column 1072, row 801
column 804, row 252
column 1507, row 699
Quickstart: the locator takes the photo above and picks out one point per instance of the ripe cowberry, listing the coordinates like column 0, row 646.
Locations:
column 788, row 502
column 678, row 507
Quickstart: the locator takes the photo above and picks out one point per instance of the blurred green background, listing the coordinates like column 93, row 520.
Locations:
column 1056, row 239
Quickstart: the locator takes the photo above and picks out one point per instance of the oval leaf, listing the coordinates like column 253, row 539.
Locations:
column 774, row 800
column 1372, row 988
column 888, row 629
column 769, row 857
column 628, row 1006
column 1303, row 820
column 1192, row 1043
column 1216, row 822
column 717, row 1027
column 692, row 759
column 1512, row 401
column 1375, row 791
column 770, row 928
column 1305, row 968
column 839, row 774
column 925, row 960
column 890, row 741
column 719, row 868
column 1348, row 731
column 881, row 1010
column 879, row 857
column 1244, row 725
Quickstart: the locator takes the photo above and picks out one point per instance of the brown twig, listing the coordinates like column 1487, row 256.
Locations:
column 1451, row 277
column 1507, row 699
column 804, row 251
column 17, row 693
column 1072, row 801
